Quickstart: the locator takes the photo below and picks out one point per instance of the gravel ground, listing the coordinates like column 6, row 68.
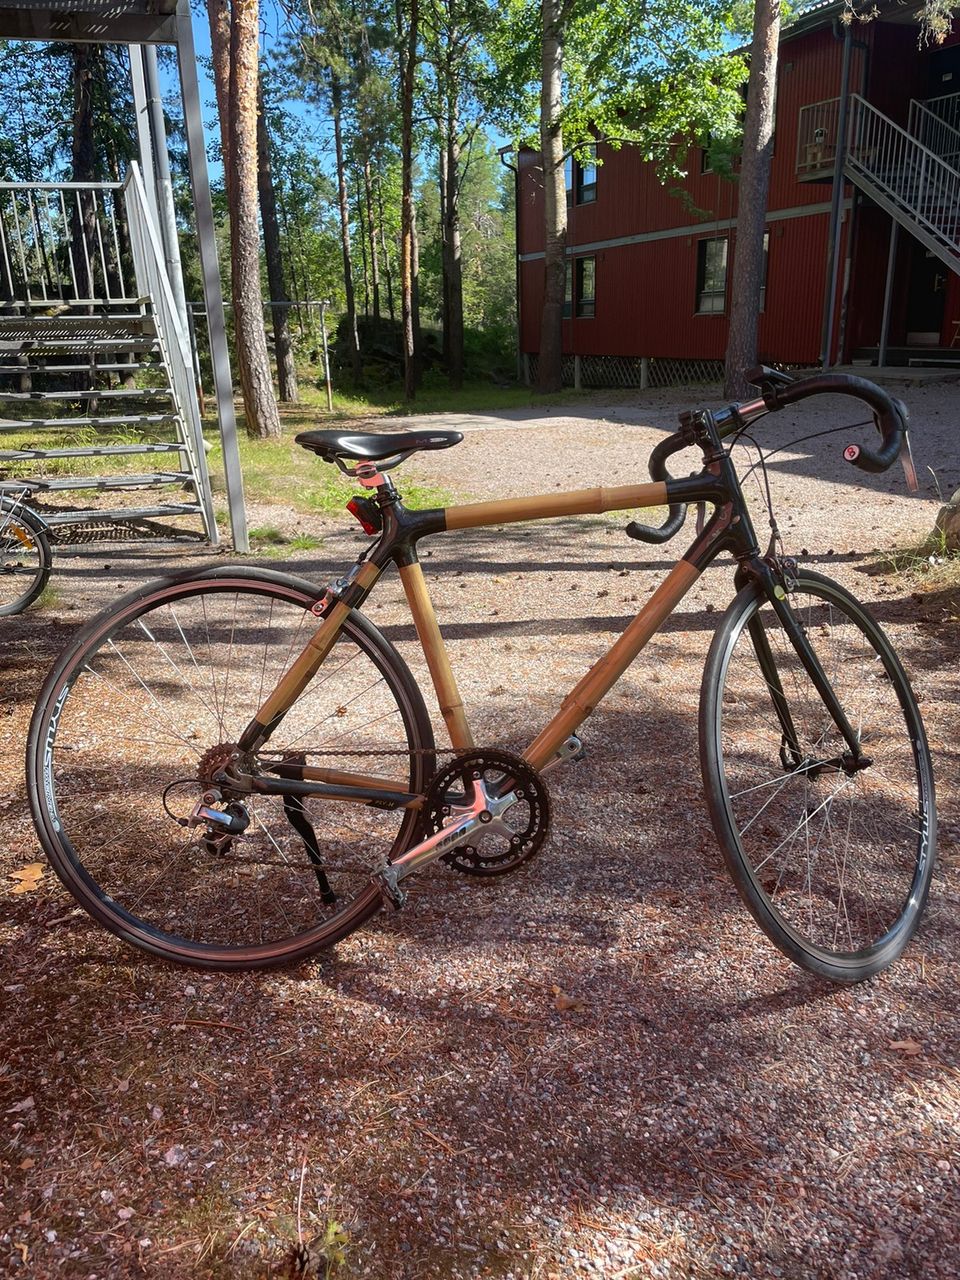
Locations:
column 596, row 1067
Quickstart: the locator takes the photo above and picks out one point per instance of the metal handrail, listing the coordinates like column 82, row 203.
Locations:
column 152, row 279
column 939, row 107
column 817, row 135
column 61, row 186
column 933, row 130
column 901, row 167
column 60, row 242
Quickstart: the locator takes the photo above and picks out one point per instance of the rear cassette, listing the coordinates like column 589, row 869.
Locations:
column 513, row 832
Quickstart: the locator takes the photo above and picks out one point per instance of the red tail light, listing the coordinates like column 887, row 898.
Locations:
column 367, row 515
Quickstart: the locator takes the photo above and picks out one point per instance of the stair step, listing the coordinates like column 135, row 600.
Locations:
column 87, row 451
column 38, row 485
column 124, row 393
column 123, row 514
column 126, row 420
column 25, row 328
column 79, row 344
column 58, row 306
column 91, row 366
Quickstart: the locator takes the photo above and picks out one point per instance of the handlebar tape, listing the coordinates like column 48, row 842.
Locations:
column 677, row 512
column 890, row 415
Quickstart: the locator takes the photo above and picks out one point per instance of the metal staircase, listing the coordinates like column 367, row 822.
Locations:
column 915, row 185
column 936, row 123
column 907, row 172
column 97, row 387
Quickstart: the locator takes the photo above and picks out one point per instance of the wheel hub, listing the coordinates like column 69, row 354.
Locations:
column 516, row 817
column 224, row 758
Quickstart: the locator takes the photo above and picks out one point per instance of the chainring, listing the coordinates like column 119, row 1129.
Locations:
column 505, row 843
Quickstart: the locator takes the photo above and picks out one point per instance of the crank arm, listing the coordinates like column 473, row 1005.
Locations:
column 388, row 878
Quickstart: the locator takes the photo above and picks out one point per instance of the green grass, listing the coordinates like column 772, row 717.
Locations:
column 270, row 543
column 433, row 397
column 280, row 472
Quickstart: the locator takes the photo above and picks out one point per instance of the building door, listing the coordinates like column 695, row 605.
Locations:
column 944, row 71
column 926, row 292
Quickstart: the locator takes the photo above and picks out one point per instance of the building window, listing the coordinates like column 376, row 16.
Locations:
column 586, row 286
column 568, row 291
column 711, row 275
column 587, row 176
column 568, row 175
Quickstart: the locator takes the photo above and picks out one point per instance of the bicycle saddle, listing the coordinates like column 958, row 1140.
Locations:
column 331, row 445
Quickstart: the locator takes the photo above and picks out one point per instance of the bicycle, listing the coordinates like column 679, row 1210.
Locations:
column 25, row 555
column 231, row 769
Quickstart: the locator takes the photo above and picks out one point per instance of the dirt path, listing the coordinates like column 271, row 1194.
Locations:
column 698, row 1107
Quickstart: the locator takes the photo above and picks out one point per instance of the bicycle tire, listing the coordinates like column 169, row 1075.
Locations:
column 784, row 893
column 22, row 533
column 93, row 771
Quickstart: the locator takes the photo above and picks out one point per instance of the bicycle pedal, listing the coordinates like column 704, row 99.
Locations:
column 388, row 882
column 570, row 749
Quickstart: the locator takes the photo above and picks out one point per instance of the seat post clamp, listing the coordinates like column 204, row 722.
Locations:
column 368, row 475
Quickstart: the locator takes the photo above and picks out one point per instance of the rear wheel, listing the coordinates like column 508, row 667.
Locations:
column 25, row 557
column 834, row 863
column 133, row 719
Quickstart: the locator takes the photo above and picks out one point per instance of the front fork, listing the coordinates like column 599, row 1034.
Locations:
column 775, row 580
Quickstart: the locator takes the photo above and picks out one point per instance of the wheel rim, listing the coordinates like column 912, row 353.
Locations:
column 22, row 561
column 150, row 695
column 838, row 860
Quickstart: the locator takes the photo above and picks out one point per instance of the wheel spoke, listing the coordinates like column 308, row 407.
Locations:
column 147, row 701
column 827, row 859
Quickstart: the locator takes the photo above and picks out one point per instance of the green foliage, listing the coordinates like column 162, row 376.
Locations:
column 487, row 234
column 654, row 73
column 36, row 111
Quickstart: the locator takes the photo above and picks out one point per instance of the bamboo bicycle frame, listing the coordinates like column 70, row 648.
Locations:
column 402, row 529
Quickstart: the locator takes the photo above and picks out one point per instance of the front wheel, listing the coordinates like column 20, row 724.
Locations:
column 833, row 861
column 25, row 557
column 130, row 725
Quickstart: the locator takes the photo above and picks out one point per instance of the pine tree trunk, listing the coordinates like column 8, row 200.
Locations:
column 454, row 256
column 218, row 12
column 364, row 266
column 415, row 301
column 283, row 345
column 442, row 183
column 550, row 373
column 83, row 169
column 372, row 231
column 747, row 275
column 353, row 341
column 450, row 240
column 385, row 249
column 408, row 58
column 260, row 405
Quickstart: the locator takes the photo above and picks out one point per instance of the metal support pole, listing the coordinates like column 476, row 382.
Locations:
column 644, row 372
column 144, row 140
column 168, row 214
column 577, row 374
column 326, row 355
column 836, row 203
column 212, row 293
column 888, row 294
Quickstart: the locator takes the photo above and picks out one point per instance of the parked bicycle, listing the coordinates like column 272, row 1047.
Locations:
column 234, row 769
column 25, row 556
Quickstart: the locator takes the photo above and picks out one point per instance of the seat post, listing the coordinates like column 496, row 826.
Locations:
column 371, row 478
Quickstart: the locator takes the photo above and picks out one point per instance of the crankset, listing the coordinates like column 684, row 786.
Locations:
column 514, row 818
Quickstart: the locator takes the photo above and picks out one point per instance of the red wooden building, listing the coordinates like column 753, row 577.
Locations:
column 862, row 111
